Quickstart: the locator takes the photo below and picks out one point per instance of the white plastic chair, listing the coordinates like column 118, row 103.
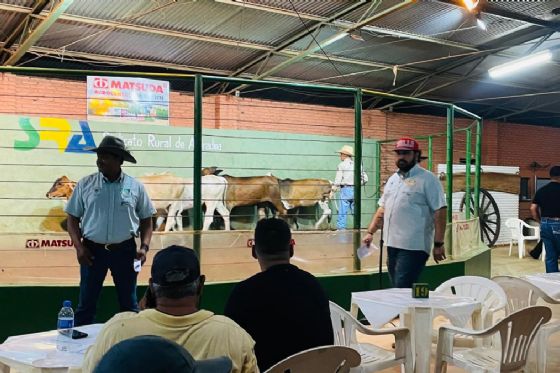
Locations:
column 328, row 359
column 516, row 333
column 491, row 296
column 522, row 294
column 374, row 358
column 516, row 228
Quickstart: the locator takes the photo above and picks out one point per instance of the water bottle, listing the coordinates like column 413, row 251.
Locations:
column 65, row 325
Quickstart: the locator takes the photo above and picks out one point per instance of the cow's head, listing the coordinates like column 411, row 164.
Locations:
column 63, row 187
column 211, row 171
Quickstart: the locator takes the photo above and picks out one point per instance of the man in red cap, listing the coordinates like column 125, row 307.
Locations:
column 412, row 211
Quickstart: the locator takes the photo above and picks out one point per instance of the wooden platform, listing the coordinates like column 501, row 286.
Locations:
column 225, row 256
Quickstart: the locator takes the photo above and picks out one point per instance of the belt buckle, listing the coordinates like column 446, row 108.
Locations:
column 106, row 246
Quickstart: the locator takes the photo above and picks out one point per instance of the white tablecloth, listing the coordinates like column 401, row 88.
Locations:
column 381, row 306
column 547, row 282
column 39, row 350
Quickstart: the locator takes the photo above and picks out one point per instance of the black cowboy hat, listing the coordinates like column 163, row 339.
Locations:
column 113, row 145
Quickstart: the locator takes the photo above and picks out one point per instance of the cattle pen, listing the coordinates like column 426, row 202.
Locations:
column 251, row 129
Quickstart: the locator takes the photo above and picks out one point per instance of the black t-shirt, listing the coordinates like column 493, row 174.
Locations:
column 548, row 199
column 284, row 309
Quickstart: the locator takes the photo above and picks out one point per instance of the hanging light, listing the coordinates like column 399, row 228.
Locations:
column 470, row 4
column 520, row 64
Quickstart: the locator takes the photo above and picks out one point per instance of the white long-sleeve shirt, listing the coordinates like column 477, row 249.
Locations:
column 345, row 174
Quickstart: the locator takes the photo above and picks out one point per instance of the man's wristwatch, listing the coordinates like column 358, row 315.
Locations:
column 145, row 247
column 438, row 243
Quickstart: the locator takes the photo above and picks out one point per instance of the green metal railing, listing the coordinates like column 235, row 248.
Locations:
column 199, row 81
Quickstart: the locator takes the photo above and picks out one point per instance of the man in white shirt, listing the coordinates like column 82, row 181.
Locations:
column 344, row 181
column 412, row 211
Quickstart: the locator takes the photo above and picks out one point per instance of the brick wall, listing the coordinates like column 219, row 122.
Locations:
column 503, row 143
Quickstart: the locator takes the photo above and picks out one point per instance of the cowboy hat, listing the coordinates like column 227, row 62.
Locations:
column 113, row 145
column 346, row 149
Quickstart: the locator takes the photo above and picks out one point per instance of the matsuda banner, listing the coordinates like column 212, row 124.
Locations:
column 36, row 151
column 128, row 100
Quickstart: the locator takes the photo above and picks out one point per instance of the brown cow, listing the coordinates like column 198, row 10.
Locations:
column 307, row 192
column 63, row 187
column 253, row 190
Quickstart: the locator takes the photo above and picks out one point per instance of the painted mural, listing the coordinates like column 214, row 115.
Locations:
column 36, row 152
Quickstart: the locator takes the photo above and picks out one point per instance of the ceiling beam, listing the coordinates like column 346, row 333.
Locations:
column 119, row 61
column 491, row 48
column 268, row 50
column 488, row 8
column 527, row 109
column 330, row 40
column 20, row 29
column 271, row 9
column 298, row 36
column 38, row 31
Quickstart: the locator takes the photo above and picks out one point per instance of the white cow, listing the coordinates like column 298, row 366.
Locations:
column 213, row 189
column 164, row 189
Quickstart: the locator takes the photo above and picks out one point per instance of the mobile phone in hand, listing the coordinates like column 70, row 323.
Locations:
column 76, row 334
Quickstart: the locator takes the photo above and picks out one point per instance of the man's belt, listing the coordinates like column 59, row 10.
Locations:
column 553, row 219
column 107, row 246
column 346, row 185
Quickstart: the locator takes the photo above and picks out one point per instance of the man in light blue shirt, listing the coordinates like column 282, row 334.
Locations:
column 107, row 210
column 412, row 211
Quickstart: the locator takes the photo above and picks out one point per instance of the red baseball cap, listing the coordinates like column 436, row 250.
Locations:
column 406, row 143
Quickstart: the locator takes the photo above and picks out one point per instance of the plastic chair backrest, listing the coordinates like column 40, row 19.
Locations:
column 491, row 296
column 514, row 227
column 343, row 325
column 335, row 359
column 517, row 332
column 520, row 293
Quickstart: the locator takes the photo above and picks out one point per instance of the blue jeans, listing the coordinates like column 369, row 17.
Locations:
column 550, row 235
column 405, row 266
column 346, row 206
column 120, row 261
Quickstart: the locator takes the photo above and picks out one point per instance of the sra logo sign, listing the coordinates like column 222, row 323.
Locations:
column 54, row 130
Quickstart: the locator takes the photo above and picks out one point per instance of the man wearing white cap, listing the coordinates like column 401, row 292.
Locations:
column 412, row 211
column 344, row 181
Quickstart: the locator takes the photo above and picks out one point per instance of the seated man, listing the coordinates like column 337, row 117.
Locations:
column 176, row 285
column 283, row 308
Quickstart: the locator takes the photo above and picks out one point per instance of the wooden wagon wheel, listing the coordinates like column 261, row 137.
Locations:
column 489, row 216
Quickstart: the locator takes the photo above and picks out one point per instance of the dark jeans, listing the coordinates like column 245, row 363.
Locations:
column 120, row 261
column 405, row 266
column 550, row 235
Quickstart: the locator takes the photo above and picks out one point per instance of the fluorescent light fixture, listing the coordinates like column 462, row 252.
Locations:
column 333, row 39
column 470, row 4
column 519, row 64
column 480, row 23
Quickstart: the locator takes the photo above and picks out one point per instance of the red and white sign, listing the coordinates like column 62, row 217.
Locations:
column 121, row 99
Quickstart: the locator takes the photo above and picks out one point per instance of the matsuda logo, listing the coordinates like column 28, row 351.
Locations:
column 34, row 243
